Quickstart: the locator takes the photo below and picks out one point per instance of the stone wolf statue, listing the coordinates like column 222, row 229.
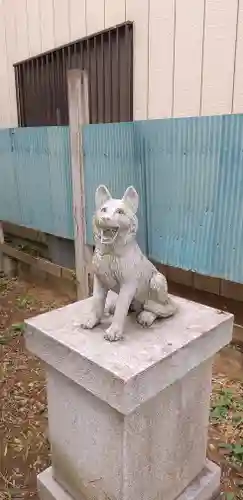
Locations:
column 120, row 266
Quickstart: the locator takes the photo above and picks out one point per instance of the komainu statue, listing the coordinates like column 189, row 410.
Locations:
column 120, row 266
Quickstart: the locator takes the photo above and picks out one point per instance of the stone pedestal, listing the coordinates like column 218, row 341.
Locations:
column 129, row 420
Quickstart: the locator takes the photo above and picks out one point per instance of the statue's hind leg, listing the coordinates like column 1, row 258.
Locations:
column 146, row 318
column 159, row 301
column 159, row 305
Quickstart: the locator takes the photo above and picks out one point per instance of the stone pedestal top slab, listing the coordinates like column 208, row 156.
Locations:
column 129, row 372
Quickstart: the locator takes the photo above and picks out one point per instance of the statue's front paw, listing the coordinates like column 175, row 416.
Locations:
column 90, row 321
column 113, row 333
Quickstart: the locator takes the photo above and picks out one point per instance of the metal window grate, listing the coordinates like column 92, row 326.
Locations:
column 41, row 82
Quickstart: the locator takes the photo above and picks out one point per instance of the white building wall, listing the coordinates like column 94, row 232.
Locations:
column 188, row 54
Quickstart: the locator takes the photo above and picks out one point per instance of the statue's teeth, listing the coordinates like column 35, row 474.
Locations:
column 108, row 234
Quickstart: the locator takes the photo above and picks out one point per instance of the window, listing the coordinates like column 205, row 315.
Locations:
column 41, row 82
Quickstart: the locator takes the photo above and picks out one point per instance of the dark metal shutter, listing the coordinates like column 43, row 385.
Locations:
column 41, row 82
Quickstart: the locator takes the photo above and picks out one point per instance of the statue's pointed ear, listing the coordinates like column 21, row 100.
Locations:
column 131, row 199
column 101, row 196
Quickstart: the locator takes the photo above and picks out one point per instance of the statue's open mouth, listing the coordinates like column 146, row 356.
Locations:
column 108, row 235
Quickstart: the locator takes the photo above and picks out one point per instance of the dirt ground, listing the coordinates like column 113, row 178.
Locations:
column 24, row 447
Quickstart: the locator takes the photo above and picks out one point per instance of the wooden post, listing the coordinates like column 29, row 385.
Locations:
column 85, row 100
column 1, row 243
column 78, row 116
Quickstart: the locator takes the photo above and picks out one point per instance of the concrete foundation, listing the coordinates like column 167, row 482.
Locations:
column 8, row 266
column 129, row 420
column 204, row 487
column 61, row 251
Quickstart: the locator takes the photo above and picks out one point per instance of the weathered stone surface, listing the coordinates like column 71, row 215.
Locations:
column 49, row 489
column 204, row 487
column 156, row 450
column 120, row 266
column 145, row 363
column 129, row 421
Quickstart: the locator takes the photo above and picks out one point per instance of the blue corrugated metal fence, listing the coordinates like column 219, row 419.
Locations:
column 189, row 174
column 112, row 157
column 35, row 179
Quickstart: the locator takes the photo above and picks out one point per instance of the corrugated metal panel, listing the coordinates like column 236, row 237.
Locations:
column 9, row 196
column 189, row 173
column 194, row 186
column 35, row 179
column 113, row 157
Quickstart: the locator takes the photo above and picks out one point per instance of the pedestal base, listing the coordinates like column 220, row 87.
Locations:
column 129, row 421
column 204, row 487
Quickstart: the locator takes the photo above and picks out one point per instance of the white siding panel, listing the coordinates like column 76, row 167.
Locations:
column 161, row 56
column 188, row 54
column 5, row 98
column 95, row 15
column 3, row 52
column 188, row 57
column 34, row 27
column 219, row 50
column 10, row 27
column 77, row 19
column 47, row 24
column 10, row 30
column 12, row 107
column 61, row 22
column 22, row 32
column 138, row 12
column 115, row 12
column 238, row 85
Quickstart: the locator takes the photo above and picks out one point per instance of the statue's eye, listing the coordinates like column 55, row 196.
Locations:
column 120, row 211
column 103, row 209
